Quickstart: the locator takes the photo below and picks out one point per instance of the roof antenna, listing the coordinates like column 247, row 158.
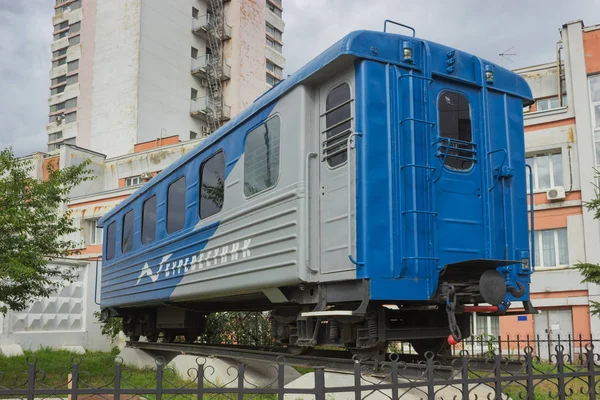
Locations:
column 504, row 54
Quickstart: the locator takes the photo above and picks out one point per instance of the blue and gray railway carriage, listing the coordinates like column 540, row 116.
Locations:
column 376, row 195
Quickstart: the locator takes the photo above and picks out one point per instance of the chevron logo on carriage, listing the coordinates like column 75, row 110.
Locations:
column 204, row 259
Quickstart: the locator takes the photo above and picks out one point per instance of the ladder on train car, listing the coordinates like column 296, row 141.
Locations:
column 412, row 192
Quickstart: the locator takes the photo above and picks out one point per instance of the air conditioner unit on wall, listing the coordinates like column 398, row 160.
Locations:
column 556, row 193
column 146, row 175
column 204, row 82
column 205, row 130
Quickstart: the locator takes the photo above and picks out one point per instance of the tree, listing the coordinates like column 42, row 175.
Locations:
column 33, row 229
column 591, row 272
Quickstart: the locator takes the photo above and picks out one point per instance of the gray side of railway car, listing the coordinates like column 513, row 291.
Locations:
column 279, row 223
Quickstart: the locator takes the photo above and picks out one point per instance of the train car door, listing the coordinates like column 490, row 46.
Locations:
column 457, row 137
column 336, row 124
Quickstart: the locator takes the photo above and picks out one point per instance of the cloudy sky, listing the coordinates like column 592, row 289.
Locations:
column 484, row 28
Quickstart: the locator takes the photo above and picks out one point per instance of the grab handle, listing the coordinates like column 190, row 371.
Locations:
column 307, row 210
column 349, row 147
column 531, row 212
column 399, row 24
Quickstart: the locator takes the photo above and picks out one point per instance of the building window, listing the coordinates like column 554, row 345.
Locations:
column 275, row 10
column 72, row 79
column 111, row 236
column 57, row 63
column 455, row 125
column 338, row 124
column 274, row 32
column 595, row 97
column 127, row 233
column 193, row 135
column 194, row 94
column 76, row 27
column 212, row 185
column 60, row 52
column 58, row 80
column 176, row 205
column 133, row 180
column 194, row 53
column 55, row 136
column 273, row 44
column 73, row 66
column 94, row 232
column 549, row 103
column 261, row 157
column 547, row 171
column 149, row 220
column 61, row 35
column 74, row 40
column 551, row 248
column 71, row 103
column 62, row 25
column 485, row 326
column 57, row 90
column 195, row 12
column 57, row 107
column 277, row 70
column 70, row 117
column 271, row 80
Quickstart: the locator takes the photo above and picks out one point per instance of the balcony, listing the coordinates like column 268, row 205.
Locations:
column 201, row 65
column 204, row 108
column 204, row 23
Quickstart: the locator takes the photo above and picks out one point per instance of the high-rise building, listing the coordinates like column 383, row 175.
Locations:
column 131, row 71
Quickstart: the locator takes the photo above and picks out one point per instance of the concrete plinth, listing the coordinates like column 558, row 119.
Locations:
column 223, row 372
column 11, row 350
column 341, row 379
column 137, row 358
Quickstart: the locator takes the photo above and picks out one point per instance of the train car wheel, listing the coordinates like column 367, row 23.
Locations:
column 438, row 346
column 191, row 337
column 153, row 338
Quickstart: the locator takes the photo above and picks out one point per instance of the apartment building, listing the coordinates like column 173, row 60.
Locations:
column 562, row 138
column 131, row 71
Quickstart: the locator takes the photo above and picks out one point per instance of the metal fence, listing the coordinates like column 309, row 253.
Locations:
column 513, row 347
column 464, row 378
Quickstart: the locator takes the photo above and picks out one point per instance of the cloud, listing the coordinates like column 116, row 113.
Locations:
column 25, row 37
column 480, row 27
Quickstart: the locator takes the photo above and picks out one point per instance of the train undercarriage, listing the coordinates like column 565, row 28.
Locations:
column 339, row 314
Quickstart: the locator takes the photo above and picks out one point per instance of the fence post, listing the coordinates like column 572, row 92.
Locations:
column 74, row 381
column 560, row 361
column 591, row 369
column 518, row 347
column 529, row 369
column 200, row 377
column 319, row 383
column 31, row 377
column 498, row 376
column 280, row 378
column 357, row 381
column 464, row 364
column 240, row 385
column 430, row 377
column 394, row 376
column 117, row 392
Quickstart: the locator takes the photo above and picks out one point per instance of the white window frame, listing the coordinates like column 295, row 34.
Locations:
column 539, row 254
column 94, row 232
column 595, row 124
column 488, row 325
column 133, row 180
column 536, row 188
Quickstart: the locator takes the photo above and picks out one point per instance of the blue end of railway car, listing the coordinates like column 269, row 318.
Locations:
column 378, row 194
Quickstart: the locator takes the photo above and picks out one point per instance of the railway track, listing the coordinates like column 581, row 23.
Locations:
column 411, row 365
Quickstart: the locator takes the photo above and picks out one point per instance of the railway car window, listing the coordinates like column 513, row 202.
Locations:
column 149, row 220
column 127, row 236
column 261, row 157
column 212, row 185
column 111, row 236
column 338, row 124
column 176, row 205
column 455, row 125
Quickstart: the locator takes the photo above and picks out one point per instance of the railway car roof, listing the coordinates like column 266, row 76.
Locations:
column 378, row 46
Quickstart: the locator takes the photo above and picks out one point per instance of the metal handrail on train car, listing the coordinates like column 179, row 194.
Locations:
column 348, row 147
column 307, row 218
column 531, row 212
column 399, row 24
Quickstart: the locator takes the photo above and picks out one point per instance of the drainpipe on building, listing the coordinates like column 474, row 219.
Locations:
column 559, row 72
